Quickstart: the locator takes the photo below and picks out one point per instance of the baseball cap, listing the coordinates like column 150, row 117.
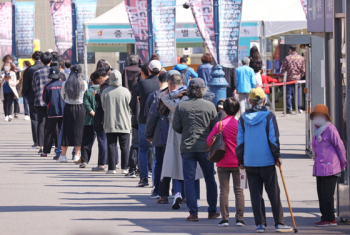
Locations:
column 197, row 82
column 155, row 66
column 256, row 93
column 54, row 72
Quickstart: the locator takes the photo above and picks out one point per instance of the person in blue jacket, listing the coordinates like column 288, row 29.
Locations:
column 258, row 150
column 55, row 105
column 204, row 69
column 185, row 71
column 245, row 82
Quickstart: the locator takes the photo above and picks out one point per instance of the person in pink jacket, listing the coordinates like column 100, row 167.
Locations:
column 330, row 160
column 228, row 165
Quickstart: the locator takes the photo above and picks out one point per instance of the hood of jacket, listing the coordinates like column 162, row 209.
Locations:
column 115, row 78
column 255, row 116
column 180, row 67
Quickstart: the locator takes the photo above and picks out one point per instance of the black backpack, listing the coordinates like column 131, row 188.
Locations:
column 183, row 75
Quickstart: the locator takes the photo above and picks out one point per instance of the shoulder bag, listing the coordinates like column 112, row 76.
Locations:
column 217, row 148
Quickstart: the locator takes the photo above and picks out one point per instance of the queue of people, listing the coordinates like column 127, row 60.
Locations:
column 172, row 122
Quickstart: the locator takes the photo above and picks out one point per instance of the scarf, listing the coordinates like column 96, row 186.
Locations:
column 320, row 130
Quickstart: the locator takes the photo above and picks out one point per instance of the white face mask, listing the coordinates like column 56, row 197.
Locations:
column 319, row 120
column 10, row 61
column 7, row 68
column 303, row 50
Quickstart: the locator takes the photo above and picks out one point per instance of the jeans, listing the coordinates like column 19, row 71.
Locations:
column 52, row 129
column 25, row 105
column 290, row 93
column 325, row 191
column 243, row 101
column 134, row 150
column 179, row 187
column 224, row 174
column 189, row 163
column 159, row 156
column 124, row 143
column 34, row 122
column 258, row 177
column 144, row 147
column 8, row 99
column 102, row 147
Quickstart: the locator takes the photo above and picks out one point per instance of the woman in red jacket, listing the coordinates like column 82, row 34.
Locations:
column 229, row 164
column 266, row 80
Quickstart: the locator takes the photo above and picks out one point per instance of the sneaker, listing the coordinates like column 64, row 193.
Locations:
column 16, row 116
column 155, row 196
column 56, row 158
column 35, row 146
column 83, row 165
column 301, row 111
column 43, row 155
column 10, row 118
column 214, row 216
column 98, row 169
column 281, row 228
column 77, row 162
column 163, row 200
column 62, row 159
column 26, row 117
column 289, row 112
column 223, row 223
column 239, row 223
column 326, row 223
column 124, row 172
column 177, row 201
column 76, row 158
column 111, row 172
column 260, row 228
column 130, row 175
column 143, row 182
column 40, row 151
column 149, row 175
column 6, row 119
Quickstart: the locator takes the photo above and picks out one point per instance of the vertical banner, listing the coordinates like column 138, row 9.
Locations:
column 230, row 12
column 5, row 29
column 25, row 23
column 61, row 13
column 137, row 13
column 163, row 17
column 304, row 5
column 86, row 11
column 203, row 15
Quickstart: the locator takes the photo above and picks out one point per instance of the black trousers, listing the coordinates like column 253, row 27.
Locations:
column 42, row 116
column 134, row 150
column 33, row 121
column 89, row 137
column 17, row 110
column 52, row 131
column 8, row 99
column 164, row 187
column 325, row 190
column 257, row 178
column 124, row 143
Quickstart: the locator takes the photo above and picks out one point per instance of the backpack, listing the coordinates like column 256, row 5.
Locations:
column 183, row 75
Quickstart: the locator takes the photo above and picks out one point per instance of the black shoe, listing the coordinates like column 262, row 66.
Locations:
column 289, row 112
column 40, row 152
column 130, row 175
column 143, row 182
column 16, row 116
column 55, row 157
column 239, row 223
column 35, row 146
column 223, row 223
column 43, row 155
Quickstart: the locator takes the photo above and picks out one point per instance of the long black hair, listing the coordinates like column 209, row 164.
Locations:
column 75, row 83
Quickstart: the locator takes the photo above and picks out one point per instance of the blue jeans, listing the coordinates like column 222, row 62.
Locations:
column 59, row 150
column 102, row 147
column 178, row 187
column 25, row 105
column 189, row 164
column 144, row 146
column 290, row 93
column 158, row 166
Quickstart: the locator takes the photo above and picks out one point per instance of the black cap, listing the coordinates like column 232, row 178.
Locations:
column 197, row 83
column 54, row 72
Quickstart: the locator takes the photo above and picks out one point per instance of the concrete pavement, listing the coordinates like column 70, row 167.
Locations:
column 39, row 196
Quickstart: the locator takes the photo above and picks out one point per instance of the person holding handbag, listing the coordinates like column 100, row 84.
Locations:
column 8, row 91
column 228, row 165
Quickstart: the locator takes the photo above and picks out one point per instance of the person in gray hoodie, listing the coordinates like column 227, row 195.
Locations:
column 117, row 120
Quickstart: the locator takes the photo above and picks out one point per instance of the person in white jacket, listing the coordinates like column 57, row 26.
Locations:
column 8, row 91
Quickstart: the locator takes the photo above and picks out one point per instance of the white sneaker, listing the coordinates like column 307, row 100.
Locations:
column 111, row 172
column 10, row 118
column 6, row 119
column 177, row 201
column 76, row 158
column 283, row 228
column 62, row 159
column 124, row 172
column 26, row 117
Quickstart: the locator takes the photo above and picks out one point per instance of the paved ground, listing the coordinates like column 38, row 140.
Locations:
column 39, row 196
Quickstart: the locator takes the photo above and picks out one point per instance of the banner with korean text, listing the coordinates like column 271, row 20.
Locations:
column 230, row 14
column 25, row 23
column 163, row 18
column 203, row 15
column 137, row 13
column 86, row 11
column 61, row 13
column 5, row 29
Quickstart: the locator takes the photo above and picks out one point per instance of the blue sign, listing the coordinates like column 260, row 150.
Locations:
column 86, row 11
column 25, row 23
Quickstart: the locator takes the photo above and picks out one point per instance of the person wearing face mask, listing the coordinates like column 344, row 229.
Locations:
column 8, row 91
column 330, row 160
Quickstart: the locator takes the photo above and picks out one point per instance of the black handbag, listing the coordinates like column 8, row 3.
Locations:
column 217, row 148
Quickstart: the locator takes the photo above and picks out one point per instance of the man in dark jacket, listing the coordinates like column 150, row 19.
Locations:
column 146, row 86
column 55, row 105
column 194, row 119
column 29, row 92
column 131, row 73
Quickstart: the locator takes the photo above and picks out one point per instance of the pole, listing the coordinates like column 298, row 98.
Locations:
column 216, row 28
column 74, row 38
column 14, row 46
column 296, row 98
column 150, row 28
column 273, row 105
